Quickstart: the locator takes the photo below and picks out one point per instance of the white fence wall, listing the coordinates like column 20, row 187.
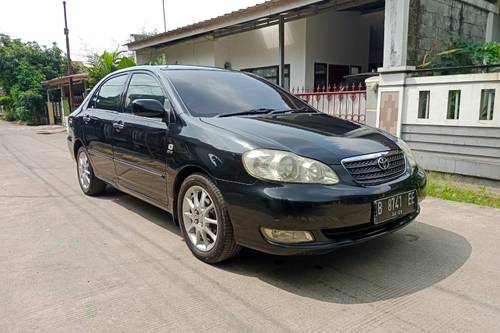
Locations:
column 466, row 145
column 470, row 86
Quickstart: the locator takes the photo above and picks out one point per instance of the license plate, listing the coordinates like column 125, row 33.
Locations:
column 393, row 207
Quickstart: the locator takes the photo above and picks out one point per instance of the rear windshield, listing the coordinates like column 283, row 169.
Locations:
column 208, row 93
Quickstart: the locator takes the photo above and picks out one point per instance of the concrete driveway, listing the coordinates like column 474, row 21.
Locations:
column 70, row 263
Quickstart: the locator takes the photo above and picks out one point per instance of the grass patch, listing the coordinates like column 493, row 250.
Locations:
column 447, row 187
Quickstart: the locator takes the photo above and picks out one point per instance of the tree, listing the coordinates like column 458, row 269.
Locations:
column 23, row 68
column 106, row 63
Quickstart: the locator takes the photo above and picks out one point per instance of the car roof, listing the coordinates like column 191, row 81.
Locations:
column 190, row 67
column 157, row 68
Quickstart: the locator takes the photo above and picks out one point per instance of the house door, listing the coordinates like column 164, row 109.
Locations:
column 336, row 73
column 56, row 109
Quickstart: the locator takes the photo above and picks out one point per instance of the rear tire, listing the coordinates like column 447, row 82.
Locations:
column 204, row 220
column 89, row 183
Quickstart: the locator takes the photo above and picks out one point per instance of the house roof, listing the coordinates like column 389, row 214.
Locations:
column 250, row 18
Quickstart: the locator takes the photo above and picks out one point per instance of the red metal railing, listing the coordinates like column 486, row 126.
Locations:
column 343, row 101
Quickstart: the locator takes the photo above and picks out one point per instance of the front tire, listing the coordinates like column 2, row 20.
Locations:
column 204, row 220
column 89, row 183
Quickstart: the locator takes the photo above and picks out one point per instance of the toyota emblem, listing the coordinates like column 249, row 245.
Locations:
column 383, row 163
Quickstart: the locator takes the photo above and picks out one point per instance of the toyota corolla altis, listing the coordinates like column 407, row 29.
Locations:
column 240, row 162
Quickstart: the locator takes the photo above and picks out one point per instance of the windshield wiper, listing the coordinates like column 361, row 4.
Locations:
column 298, row 110
column 267, row 111
column 247, row 112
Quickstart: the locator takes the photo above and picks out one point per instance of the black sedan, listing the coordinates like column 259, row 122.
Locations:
column 240, row 162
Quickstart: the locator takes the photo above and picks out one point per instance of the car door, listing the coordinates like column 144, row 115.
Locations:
column 140, row 145
column 98, row 121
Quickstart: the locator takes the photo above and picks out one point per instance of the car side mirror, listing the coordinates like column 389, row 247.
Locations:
column 169, row 116
column 150, row 108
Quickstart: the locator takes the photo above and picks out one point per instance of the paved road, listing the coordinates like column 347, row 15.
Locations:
column 70, row 263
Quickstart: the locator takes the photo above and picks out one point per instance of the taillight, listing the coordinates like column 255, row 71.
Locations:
column 70, row 121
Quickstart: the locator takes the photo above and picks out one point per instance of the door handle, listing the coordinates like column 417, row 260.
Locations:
column 118, row 125
column 86, row 118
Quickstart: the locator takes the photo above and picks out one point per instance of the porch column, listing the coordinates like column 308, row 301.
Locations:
column 396, row 33
column 391, row 107
column 391, row 92
column 84, row 88
column 282, row 50
column 62, row 103
column 50, row 110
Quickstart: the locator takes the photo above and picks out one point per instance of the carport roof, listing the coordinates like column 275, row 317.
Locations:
column 63, row 80
column 250, row 18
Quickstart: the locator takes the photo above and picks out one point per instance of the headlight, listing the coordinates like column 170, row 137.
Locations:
column 282, row 166
column 408, row 153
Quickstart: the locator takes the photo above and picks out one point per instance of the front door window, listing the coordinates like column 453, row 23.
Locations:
column 143, row 86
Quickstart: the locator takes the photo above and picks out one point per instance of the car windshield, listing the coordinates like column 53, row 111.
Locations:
column 210, row 93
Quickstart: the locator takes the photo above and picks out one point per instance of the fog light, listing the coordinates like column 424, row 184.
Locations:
column 288, row 236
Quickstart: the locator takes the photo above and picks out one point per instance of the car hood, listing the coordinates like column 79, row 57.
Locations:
column 314, row 135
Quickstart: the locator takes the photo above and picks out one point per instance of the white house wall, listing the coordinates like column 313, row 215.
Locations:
column 340, row 38
column 260, row 48
column 192, row 53
column 198, row 52
column 256, row 48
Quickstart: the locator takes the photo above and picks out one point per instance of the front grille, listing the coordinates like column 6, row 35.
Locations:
column 368, row 169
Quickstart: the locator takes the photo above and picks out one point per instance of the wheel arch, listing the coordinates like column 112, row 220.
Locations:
column 185, row 172
column 76, row 147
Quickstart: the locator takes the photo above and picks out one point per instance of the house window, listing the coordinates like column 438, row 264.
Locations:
column 286, row 84
column 487, row 104
column 327, row 75
column 271, row 73
column 423, row 104
column 320, row 75
column 453, row 104
column 355, row 70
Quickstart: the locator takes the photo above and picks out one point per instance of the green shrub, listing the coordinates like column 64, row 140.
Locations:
column 24, row 115
column 9, row 115
column 5, row 101
column 464, row 54
column 28, row 105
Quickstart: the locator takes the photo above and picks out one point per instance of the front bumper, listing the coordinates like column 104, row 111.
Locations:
column 337, row 216
column 69, row 141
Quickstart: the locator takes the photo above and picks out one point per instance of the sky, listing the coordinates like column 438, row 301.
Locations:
column 98, row 25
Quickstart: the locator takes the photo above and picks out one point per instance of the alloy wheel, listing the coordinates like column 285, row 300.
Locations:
column 200, row 218
column 84, row 170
